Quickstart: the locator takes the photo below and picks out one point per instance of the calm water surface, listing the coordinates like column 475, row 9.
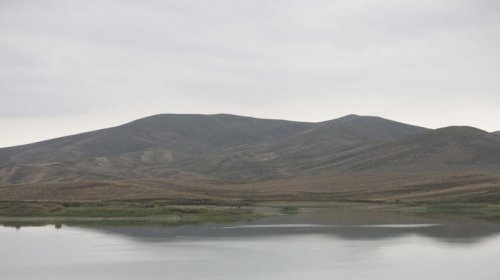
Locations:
column 325, row 244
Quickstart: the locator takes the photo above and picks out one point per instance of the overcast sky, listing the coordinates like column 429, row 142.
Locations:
column 73, row 66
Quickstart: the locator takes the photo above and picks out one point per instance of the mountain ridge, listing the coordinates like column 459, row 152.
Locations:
column 194, row 150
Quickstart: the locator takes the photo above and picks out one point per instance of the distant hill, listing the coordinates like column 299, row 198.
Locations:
column 179, row 135
column 161, row 153
column 447, row 149
column 342, row 134
column 497, row 133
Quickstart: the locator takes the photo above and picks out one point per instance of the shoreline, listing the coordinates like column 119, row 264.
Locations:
column 168, row 214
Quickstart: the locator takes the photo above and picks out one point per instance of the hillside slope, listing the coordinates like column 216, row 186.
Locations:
column 447, row 149
column 222, row 147
column 333, row 137
column 216, row 155
column 179, row 135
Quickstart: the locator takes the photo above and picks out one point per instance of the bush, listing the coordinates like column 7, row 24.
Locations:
column 289, row 210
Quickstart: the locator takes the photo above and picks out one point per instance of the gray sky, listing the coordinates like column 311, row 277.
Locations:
column 73, row 66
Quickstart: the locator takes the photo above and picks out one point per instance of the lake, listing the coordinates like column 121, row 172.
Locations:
column 316, row 244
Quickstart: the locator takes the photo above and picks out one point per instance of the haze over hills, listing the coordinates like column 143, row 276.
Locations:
column 194, row 156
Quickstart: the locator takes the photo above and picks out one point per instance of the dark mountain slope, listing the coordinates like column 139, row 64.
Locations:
column 217, row 131
column 286, row 156
column 443, row 150
column 342, row 134
column 497, row 133
column 233, row 149
column 371, row 128
column 179, row 135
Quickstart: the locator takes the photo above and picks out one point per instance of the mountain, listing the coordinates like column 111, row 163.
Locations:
column 180, row 135
column 175, row 155
column 497, row 133
column 449, row 149
column 286, row 157
column 226, row 147
column 342, row 134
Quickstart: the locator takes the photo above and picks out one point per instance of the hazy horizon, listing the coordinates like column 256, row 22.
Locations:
column 69, row 66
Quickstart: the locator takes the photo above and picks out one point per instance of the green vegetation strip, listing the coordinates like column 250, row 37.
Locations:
column 161, row 213
column 122, row 212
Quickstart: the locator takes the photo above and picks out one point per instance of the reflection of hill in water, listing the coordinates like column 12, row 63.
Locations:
column 353, row 225
column 445, row 233
column 343, row 224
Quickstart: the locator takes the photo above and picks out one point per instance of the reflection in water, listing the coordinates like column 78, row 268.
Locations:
column 344, row 224
column 323, row 244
